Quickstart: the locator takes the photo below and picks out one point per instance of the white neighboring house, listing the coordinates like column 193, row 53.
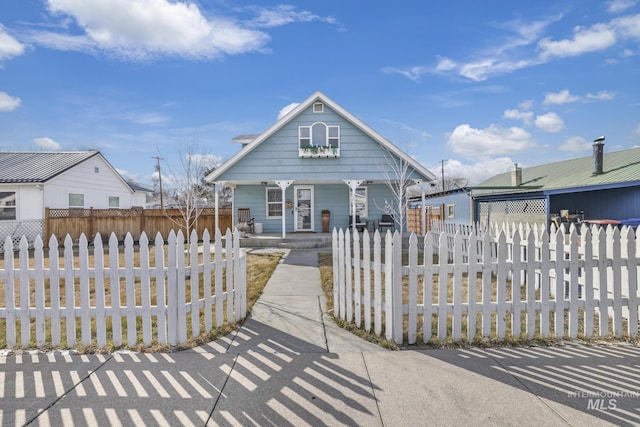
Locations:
column 33, row 181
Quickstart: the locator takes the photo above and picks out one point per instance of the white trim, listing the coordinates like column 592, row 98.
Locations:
column 296, row 226
column 319, row 96
column 14, row 206
column 109, row 202
column 266, row 201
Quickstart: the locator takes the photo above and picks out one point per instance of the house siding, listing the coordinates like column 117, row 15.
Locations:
column 29, row 200
column 462, row 207
column 96, row 187
column 331, row 197
column 360, row 156
column 620, row 203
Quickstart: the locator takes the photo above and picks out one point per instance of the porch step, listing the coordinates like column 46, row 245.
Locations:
column 309, row 241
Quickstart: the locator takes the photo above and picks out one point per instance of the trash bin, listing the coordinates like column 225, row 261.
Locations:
column 258, row 227
column 326, row 217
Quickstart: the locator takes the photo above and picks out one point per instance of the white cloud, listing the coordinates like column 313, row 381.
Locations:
column 636, row 131
column 413, row 73
column 478, row 171
column 603, row 95
column 516, row 51
column 562, row 97
column 9, row 47
column 47, row 143
column 286, row 109
column 494, row 140
column 575, row 144
column 144, row 29
column 525, row 116
column 595, row 38
column 8, row 103
column 526, row 105
column 549, row 122
column 617, row 6
column 282, row 15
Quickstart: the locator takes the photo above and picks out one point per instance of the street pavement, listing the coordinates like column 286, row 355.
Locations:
column 290, row 365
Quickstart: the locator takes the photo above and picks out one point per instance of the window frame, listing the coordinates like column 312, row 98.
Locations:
column 451, row 211
column 75, row 206
column 318, row 110
column 117, row 199
column 268, row 203
column 8, row 208
column 312, row 142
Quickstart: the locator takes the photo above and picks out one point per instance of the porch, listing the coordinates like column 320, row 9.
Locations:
column 295, row 240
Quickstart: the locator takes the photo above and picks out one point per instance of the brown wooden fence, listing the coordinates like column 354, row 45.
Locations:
column 414, row 218
column 60, row 222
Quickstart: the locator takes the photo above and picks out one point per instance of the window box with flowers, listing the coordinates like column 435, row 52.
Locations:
column 318, row 151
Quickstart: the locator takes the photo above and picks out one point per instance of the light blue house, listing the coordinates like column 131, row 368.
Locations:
column 318, row 157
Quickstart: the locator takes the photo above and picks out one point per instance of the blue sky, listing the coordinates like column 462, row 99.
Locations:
column 480, row 85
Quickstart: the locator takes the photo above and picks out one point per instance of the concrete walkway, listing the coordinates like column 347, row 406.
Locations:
column 290, row 365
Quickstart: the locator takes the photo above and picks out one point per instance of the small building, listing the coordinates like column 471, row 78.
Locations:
column 35, row 180
column 318, row 161
column 453, row 206
column 605, row 186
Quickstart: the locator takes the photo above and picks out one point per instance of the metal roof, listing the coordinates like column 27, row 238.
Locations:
column 619, row 168
column 38, row 166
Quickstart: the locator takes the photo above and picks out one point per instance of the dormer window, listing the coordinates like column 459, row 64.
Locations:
column 318, row 107
column 319, row 140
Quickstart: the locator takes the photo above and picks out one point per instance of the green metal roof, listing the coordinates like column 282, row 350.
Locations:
column 619, row 167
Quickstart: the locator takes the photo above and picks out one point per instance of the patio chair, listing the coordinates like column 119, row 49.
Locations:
column 360, row 224
column 386, row 221
column 244, row 217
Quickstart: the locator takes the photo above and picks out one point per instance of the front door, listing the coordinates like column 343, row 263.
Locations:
column 303, row 217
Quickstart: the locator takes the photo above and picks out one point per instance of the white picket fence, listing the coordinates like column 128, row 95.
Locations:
column 53, row 301
column 528, row 283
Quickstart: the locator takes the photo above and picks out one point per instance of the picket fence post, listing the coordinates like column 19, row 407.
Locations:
column 145, row 289
column 54, row 286
column 101, row 324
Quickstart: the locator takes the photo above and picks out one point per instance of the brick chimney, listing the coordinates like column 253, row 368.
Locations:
column 598, row 156
column 516, row 176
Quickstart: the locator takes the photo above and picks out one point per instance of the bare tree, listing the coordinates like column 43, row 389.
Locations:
column 397, row 174
column 185, row 186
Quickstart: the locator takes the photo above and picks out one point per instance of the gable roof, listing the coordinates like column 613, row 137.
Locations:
column 20, row 167
column 620, row 168
column 319, row 96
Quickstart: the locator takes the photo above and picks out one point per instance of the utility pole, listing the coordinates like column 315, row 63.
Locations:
column 158, row 158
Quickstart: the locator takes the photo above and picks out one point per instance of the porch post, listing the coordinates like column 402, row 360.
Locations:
column 283, row 186
column 353, row 184
column 423, row 211
column 218, row 186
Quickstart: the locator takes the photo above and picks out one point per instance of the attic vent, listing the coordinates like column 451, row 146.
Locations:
column 318, row 107
column 96, row 169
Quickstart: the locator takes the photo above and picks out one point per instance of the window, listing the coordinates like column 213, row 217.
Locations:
column 319, row 134
column 114, row 202
column 333, row 137
column 305, row 136
column 76, row 200
column 274, row 203
column 361, row 202
column 8, row 206
column 318, row 107
column 451, row 211
column 96, row 169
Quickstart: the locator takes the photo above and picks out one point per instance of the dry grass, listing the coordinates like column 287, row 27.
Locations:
column 514, row 336
column 259, row 269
